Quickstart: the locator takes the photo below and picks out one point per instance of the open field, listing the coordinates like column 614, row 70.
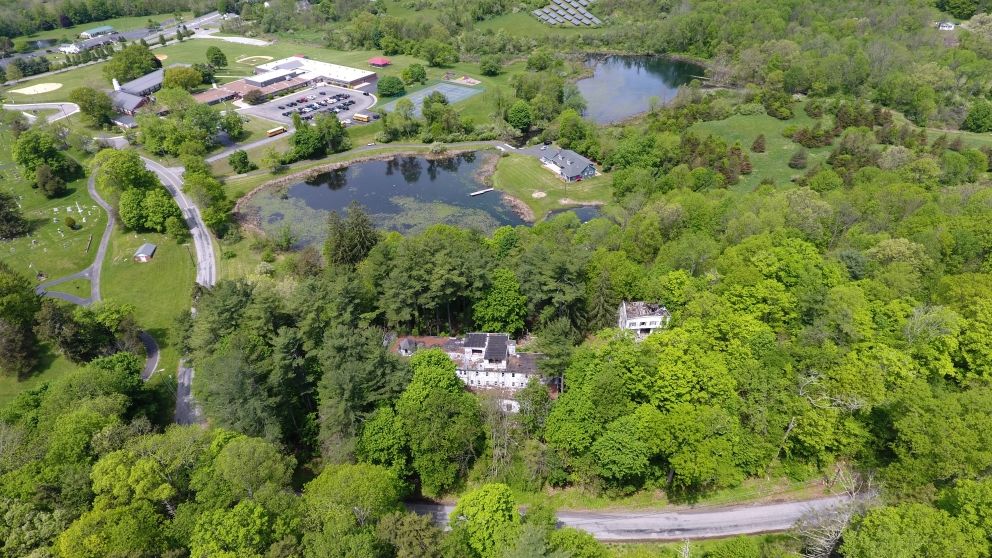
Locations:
column 50, row 367
column 159, row 290
column 522, row 177
column 774, row 162
column 522, row 24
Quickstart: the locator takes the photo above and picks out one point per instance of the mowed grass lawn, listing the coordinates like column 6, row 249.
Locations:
column 159, row 289
column 522, row 176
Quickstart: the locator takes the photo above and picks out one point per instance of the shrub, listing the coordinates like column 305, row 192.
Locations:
column 254, row 97
column 391, row 86
column 70, row 222
column 240, row 163
column 798, row 159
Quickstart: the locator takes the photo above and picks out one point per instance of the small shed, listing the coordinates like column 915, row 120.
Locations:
column 145, row 253
column 379, row 62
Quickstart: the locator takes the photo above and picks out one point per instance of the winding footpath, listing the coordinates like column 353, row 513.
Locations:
column 651, row 525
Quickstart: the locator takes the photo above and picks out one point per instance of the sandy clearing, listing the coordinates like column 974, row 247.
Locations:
column 538, row 195
column 162, row 56
column 37, row 89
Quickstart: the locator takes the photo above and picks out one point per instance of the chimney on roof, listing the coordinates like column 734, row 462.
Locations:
column 117, row 85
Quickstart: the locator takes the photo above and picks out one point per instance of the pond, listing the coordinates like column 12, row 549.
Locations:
column 622, row 86
column 585, row 213
column 401, row 193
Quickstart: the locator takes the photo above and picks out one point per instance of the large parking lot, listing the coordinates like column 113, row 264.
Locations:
column 322, row 99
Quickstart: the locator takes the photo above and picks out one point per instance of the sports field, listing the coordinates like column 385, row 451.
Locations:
column 454, row 94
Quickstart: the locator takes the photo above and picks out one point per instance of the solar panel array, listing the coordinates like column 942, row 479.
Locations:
column 567, row 12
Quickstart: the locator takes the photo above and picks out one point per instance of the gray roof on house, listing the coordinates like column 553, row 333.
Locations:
column 146, row 249
column 496, row 347
column 475, row 340
column 97, row 41
column 148, row 81
column 124, row 101
column 568, row 160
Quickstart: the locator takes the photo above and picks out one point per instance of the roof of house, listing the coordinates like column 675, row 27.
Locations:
column 568, row 160
column 496, row 347
column 523, row 362
column 213, row 94
column 639, row 308
column 124, row 101
column 148, row 81
column 146, row 249
column 100, row 29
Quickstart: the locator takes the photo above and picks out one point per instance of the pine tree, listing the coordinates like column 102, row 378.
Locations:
column 759, row 144
column 798, row 160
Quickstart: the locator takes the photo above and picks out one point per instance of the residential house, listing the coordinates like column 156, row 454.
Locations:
column 642, row 318
column 484, row 361
column 567, row 164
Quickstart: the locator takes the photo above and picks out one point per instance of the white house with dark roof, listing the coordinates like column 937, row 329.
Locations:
column 145, row 253
column 642, row 318
column 484, row 361
column 84, row 45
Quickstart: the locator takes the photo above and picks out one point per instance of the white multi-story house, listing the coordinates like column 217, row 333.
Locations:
column 642, row 318
column 482, row 360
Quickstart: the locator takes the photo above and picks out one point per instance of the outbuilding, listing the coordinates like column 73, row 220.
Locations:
column 379, row 62
column 145, row 253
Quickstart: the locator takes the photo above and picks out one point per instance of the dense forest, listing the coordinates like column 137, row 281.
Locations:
column 830, row 328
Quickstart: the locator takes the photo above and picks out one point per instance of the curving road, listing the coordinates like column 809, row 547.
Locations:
column 648, row 525
column 206, row 262
column 65, row 109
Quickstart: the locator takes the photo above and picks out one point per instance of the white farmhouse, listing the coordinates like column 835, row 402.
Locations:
column 642, row 318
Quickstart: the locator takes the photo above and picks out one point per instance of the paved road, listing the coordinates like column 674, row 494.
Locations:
column 187, row 411
column 65, row 110
column 246, row 146
column 151, row 355
column 206, row 262
column 662, row 526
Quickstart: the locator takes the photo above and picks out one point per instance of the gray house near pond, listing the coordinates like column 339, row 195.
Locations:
column 569, row 165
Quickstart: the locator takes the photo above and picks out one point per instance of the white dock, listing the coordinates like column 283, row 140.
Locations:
column 483, row 191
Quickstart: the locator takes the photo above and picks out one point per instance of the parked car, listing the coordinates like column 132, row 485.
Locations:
column 366, row 93
column 323, row 92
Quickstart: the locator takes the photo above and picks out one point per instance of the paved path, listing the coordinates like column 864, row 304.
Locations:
column 151, row 355
column 702, row 523
column 206, row 262
column 258, row 143
column 65, row 110
column 187, row 410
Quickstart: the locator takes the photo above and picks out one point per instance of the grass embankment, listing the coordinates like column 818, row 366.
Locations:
column 526, row 179
column 159, row 289
column 695, row 548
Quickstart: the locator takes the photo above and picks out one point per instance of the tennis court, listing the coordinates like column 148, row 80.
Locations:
column 454, row 93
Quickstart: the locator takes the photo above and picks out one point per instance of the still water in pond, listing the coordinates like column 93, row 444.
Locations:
column 622, row 86
column 585, row 213
column 402, row 193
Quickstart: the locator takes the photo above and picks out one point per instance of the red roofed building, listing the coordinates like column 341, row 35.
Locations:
column 379, row 62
